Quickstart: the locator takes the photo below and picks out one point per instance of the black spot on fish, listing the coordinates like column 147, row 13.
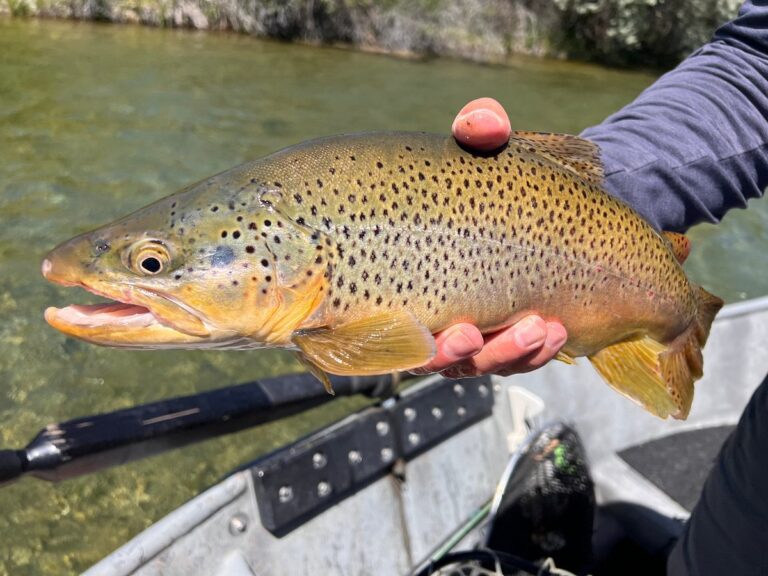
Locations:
column 222, row 256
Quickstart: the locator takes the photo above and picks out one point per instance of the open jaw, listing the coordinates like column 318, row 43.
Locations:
column 149, row 320
column 99, row 315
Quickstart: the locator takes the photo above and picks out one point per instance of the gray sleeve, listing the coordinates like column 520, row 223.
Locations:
column 695, row 143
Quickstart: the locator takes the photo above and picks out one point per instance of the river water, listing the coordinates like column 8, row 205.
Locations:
column 97, row 120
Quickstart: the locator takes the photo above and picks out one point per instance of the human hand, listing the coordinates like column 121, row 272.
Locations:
column 462, row 350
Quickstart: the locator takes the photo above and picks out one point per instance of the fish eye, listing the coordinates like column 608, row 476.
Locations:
column 151, row 265
column 149, row 258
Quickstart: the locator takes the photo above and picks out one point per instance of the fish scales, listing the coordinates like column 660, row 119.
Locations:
column 418, row 222
column 355, row 249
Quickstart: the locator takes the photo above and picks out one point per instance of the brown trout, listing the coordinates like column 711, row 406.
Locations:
column 354, row 250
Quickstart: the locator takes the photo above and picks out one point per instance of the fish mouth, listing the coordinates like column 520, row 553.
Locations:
column 137, row 318
column 100, row 315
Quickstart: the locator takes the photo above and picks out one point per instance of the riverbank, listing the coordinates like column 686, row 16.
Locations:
column 654, row 33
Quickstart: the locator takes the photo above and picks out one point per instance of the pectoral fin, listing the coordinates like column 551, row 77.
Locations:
column 379, row 344
column 318, row 373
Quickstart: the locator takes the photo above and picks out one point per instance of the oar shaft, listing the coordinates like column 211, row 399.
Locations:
column 92, row 443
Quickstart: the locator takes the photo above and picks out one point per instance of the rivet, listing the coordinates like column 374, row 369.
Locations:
column 382, row 428
column 437, row 413
column 483, row 389
column 285, row 494
column 414, row 438
column 458, row 389
column 387, row 454
column 410, row 414
column 323, row 489
column 319, row 460
column 238, row 524
column 461, row 411
column 355, row 457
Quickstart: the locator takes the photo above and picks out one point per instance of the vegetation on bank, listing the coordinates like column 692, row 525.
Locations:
column 620, row 32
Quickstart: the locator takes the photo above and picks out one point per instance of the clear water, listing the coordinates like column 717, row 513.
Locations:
column 97, row 120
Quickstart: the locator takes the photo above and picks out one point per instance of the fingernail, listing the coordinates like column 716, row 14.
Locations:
column 530, row 333
column 458, row 372
column 488, row 118
column 461, row 345
column 420, row 371
column 557, row 335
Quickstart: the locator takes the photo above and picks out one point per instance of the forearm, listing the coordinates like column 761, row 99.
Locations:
column 695, row 143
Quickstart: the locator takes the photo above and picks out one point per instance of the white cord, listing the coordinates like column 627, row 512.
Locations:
column 549, row 564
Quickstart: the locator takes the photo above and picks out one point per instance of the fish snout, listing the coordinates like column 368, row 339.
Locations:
column 46, row 268
column 63, row 265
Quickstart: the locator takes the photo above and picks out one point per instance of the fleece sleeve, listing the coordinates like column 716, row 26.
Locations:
column 695, row 143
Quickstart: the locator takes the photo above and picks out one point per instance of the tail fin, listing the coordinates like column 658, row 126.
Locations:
column 660, row 376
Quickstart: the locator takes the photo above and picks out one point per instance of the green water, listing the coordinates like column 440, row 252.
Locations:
column 98, row 120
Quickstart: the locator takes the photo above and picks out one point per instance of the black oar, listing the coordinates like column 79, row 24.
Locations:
column 92, row 443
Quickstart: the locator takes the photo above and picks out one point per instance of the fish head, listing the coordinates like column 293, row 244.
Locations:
column 204, row 268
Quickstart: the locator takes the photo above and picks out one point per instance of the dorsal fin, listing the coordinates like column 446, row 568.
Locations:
column 576, row 154
column 679, row 244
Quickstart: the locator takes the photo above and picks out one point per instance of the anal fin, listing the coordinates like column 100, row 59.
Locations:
column 634, row 369
column 378, row 344
column 658, row 376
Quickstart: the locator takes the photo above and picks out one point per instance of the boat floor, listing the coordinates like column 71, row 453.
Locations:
column 680, row 463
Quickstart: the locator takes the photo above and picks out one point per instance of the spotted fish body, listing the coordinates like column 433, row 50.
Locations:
column 355, row 249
